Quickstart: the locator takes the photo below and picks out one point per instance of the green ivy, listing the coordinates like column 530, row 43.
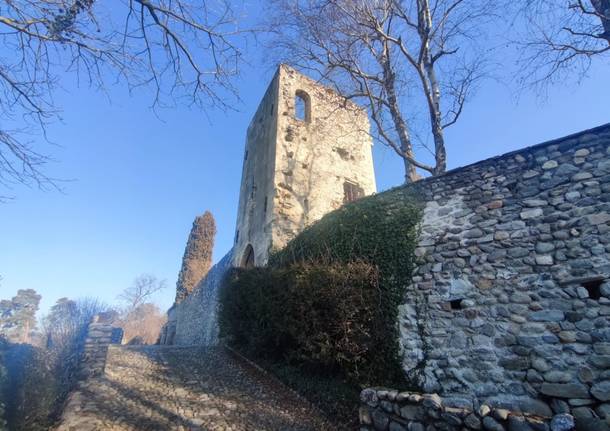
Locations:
column 379, row 232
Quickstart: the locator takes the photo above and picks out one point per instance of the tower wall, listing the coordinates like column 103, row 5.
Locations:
column 299, row 164
column 255, row 212
column 317, row 155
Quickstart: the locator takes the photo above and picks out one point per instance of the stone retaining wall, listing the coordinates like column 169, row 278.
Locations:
column 194, row 321
column 386, row 409
column 100, row 335
column 510, row 303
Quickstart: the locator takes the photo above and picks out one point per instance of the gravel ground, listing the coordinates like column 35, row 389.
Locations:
column 185, row 388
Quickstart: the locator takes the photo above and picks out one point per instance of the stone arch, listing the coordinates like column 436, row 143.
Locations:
column 302, row 106
column 247, row 260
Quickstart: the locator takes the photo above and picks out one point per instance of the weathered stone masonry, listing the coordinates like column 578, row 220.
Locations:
column 509, row 304
column 194, row 320
column 298, row 166
column 100, row 335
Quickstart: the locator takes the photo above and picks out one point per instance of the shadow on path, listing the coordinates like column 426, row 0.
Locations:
column 185, row 388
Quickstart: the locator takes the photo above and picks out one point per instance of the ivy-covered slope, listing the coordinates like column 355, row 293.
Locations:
column 381, row 230
column 378, row 231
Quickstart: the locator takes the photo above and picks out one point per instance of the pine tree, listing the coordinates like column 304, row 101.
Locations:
column 18, row 316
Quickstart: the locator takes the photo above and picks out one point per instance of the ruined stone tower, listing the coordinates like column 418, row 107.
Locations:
column 308, row 151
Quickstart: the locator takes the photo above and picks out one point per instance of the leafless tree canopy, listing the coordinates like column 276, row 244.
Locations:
column 139, row 317
column 393, row 56
column 562, row 37
column 67, row 322
column 183, row 49
column 141, row 291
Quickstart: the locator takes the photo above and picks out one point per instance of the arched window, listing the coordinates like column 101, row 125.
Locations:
column 247, row 260
column 302, row 106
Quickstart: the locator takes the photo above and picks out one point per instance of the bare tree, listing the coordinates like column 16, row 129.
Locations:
column 184, row 49
column 67, row 322
column 143, row 324
column 141, row 291
column 391, row 55
column 140, row 319
column 561, row 37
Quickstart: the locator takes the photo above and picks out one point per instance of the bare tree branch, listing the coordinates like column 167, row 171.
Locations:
column 141, row 291
column 561, row 38
column 185, row 50
column 390, row 55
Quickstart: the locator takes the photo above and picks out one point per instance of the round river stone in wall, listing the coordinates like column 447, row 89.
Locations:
column 562, row 422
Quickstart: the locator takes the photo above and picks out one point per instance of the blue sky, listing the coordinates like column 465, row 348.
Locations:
column 139, row 180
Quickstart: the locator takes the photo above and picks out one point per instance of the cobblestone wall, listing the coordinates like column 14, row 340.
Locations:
column 383, row 409
column 194, row 320
column 509, row 303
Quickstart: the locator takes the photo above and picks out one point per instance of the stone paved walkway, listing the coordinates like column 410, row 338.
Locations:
column 184, row 388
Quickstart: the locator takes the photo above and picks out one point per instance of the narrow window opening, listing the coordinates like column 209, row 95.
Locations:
column 456, row 304
column 248, row 258
column 594, row 288
column 302, row 106
column 265, row 206
column 246, row 155
column 237, row 236
column 352, row 192
column 271, row 109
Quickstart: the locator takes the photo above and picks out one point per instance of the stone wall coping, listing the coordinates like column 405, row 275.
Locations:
column 526, row 150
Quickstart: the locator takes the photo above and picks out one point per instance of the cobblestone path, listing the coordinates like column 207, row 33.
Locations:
column 184, row 388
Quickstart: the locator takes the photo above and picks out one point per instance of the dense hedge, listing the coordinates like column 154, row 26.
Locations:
column 33, row 390
column 323, row 279
column 382, row 230
column 316, row 315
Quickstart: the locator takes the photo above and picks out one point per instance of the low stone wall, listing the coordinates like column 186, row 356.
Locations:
column 194, row 321
column 385, row 409
column 100, row 335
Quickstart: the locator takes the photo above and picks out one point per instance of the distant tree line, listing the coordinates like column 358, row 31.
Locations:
column 39, row 361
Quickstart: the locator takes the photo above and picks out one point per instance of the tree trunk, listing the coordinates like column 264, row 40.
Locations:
column 436, row 121
column 602, row 8
column 401, row 127
column 431, row 87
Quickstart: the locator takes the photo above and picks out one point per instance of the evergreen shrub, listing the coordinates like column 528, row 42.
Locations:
column 315, row 315
column 330, row 298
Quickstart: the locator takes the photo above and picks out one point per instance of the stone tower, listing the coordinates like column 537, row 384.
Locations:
column 308, row 151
